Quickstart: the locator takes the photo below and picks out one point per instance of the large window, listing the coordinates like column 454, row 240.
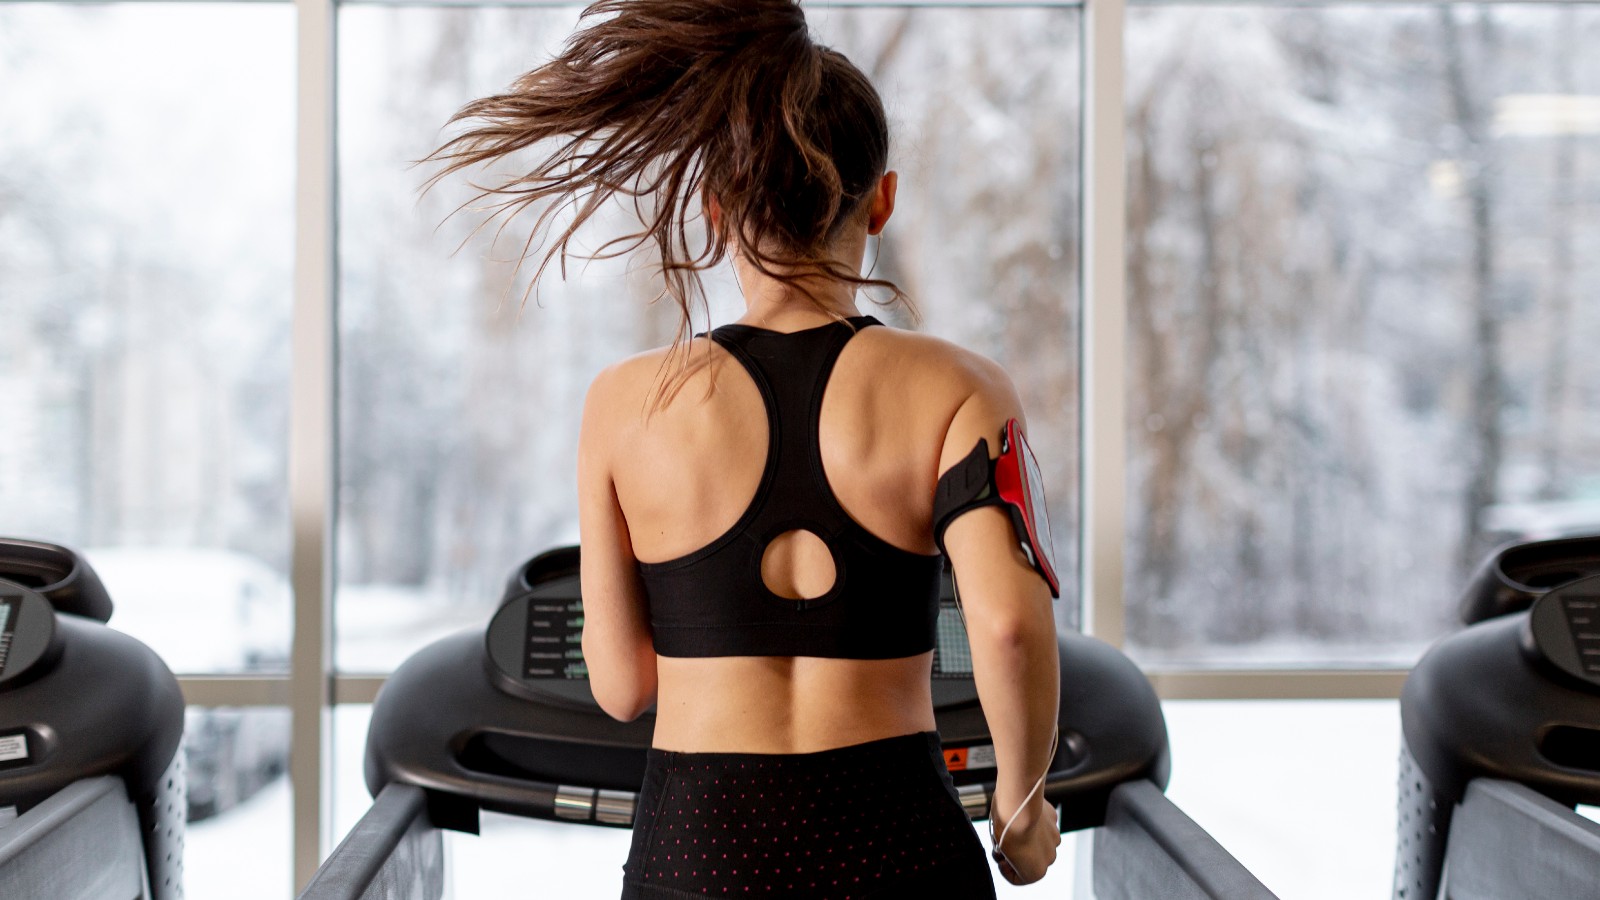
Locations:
column 1357, row 318
column 146, row 231
column 459, row 404
column 145, row 246
column 1355, row 292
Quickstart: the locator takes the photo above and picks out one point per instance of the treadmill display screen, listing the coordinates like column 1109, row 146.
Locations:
column 554, row 647
column 1583, row 620
column 952, row 655
column 7, row 628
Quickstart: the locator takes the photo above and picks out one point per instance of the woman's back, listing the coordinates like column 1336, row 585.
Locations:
column 684, row 475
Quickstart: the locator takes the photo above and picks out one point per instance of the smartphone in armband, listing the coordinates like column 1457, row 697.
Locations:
column 1011, row 480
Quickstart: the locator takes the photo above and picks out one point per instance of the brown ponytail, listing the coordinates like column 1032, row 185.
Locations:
column 672, row 102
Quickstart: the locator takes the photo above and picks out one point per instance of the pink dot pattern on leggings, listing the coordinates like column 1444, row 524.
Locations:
column 837, row 824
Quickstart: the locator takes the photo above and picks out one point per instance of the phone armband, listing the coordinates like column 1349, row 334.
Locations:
column 1011, row 481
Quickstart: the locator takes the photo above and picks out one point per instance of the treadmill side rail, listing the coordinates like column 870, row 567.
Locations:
column 393, row 853
column 81, row 843
column 1507, row 840
column 1150, row 848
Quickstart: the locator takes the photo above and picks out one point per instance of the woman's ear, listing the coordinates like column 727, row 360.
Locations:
column 882, row 202
column 713, row 213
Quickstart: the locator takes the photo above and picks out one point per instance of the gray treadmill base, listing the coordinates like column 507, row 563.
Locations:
column 393, row 853
column 82, row 843
column 1149, row 848
column 1507, row 840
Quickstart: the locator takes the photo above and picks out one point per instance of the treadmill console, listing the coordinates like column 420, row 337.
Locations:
column 553, row 647
column 505, row 720
column 535, row 643
column 27, row 631
column 1564, row 625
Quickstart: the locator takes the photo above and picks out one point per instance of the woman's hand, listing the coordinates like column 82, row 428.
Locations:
column 1029, row 846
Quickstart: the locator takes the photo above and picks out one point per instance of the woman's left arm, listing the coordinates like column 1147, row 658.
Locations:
column 616, row 628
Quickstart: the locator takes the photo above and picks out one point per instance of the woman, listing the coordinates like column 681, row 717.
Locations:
column 757, row 505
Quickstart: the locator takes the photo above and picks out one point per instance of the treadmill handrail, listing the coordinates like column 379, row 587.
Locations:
column 1151, row 848
column 1508, row 840
column 70, row 801
column 80, row 843
column 356, row 866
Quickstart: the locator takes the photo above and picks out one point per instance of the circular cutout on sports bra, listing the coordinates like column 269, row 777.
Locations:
column 797, row 565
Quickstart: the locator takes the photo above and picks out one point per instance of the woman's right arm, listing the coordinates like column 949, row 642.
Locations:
column 616, row 624
column 1011, row 628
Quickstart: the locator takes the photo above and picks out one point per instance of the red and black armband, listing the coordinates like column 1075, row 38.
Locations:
column 1011, row 481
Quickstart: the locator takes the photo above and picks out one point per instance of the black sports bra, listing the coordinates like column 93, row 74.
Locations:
column 884, row 601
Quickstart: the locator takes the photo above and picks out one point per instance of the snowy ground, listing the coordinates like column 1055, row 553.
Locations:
column 243, row 854
column 1303, row 792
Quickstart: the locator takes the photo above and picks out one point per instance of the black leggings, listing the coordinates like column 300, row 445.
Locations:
column 873, row 820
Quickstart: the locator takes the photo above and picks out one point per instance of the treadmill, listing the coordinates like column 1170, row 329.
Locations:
column 1501, row 736
column 504, row 721
column 91, row 722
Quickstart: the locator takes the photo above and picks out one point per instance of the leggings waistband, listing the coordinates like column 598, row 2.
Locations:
column 899, row 743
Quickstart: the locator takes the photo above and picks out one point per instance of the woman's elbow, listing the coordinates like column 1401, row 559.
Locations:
column 624, row 703
column 1011, row 632
column 1005, row 636
column 623, row 688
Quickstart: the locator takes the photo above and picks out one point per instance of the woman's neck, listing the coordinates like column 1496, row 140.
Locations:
column 790, row 309
column 784, row 306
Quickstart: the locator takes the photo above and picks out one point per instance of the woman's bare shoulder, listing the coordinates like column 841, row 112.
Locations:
column 966, row 393
column 627, row 384
column 937, row 361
